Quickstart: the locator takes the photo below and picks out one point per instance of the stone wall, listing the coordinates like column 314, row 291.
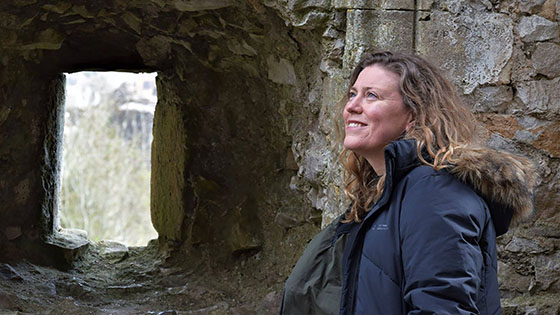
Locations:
column 245, row 143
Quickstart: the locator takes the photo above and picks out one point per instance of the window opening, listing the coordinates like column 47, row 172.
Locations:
column 106, row 164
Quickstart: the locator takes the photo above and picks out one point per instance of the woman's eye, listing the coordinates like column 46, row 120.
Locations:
column 371, row 96
column 351, row 94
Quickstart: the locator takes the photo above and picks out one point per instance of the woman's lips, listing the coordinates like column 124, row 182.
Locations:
column 355, row 124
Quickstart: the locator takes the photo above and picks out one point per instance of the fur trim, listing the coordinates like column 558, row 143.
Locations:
column 502, row 177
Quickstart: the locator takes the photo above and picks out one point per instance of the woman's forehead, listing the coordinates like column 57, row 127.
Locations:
column 377, row 76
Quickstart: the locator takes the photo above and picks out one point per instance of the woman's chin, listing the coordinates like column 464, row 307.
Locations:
column 349, row 145
column 355, row 149
column 355, row 145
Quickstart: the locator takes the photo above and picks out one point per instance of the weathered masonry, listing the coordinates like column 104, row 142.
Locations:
column 244, row 160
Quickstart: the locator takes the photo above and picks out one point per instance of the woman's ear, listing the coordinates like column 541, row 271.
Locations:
column 409, row 126
column 410, row 123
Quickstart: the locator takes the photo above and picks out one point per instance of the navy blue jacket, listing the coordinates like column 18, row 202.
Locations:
column 428, row 246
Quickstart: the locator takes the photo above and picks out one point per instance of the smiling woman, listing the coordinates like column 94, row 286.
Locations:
column 426, row 202
column 374, row 115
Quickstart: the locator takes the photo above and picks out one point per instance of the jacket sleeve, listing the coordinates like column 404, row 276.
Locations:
column 441, row 226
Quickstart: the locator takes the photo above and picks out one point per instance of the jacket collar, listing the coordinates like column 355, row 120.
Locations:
column 400, row 158
column 505, row 181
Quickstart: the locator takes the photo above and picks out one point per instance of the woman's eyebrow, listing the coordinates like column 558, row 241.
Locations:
column 363, row 88
column 377, row 89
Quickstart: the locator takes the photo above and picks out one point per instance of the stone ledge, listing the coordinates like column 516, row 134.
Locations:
column 66, row 246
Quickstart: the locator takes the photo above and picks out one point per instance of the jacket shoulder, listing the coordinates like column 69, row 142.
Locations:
column 428, row 173
column 432, row 187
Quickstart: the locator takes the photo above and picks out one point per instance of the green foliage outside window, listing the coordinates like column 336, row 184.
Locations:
column 106, row 178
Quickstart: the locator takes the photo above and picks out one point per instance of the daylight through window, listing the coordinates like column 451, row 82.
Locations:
column 106, row 155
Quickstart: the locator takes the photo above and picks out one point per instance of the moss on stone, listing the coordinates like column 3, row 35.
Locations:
column 169, row 163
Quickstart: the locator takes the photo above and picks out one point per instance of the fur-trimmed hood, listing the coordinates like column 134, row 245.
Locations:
column 505, row 181
column 502, row 179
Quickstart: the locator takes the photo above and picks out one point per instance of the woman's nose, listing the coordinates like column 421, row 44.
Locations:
column 354, row 105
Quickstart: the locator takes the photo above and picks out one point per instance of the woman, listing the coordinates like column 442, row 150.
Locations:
column 427, row 204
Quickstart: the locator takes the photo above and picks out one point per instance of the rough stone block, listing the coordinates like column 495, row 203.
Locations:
column 535, row 28
column 548, row 9
column 302, row 13
column 530, row 6
column 504, row 125
column 48, row 39
column 67, row 245
column 112, row 249
column 523, row 245
column 547, row 270
column 491, row 99
column 281, row 71
column 375, row 4
column 397, row 4
column 377, row 30
column 546, row 59
column 424, row 5
column 304, row 4
column 522, row 69
column 474, row 49
column 541, row 135
column 510, row 280
column 154, row 50
column 547, row 139
column 538, row 97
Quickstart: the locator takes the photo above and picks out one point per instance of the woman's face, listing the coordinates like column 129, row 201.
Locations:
column 374, row 114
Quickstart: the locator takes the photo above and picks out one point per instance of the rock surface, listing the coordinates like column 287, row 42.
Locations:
column 536, row 28
column 546, row 59
column 245, row 158
column 143, row 283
